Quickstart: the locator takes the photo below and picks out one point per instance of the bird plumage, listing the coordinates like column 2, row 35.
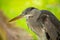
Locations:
column 44, row 20
column 43, row 23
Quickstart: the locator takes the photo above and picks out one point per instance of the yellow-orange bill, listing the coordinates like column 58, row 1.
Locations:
column 18, row 17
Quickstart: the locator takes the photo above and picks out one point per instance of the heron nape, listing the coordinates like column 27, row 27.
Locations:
column 42, row 22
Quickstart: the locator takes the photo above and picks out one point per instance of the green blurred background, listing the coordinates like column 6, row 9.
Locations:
column 13, row 8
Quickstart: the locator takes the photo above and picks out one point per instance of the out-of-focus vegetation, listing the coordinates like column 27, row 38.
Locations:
column 13, row 8
column 9, row 31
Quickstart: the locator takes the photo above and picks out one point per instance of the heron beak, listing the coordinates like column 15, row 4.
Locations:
column 16, row 18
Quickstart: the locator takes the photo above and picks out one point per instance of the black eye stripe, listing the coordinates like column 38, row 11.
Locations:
column 28, row 10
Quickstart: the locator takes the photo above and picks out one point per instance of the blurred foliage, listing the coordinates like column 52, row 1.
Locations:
column 13, row 8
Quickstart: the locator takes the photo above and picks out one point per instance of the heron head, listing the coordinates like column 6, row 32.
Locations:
column 25, row 13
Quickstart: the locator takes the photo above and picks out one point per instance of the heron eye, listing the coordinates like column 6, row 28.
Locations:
column 30, row 16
